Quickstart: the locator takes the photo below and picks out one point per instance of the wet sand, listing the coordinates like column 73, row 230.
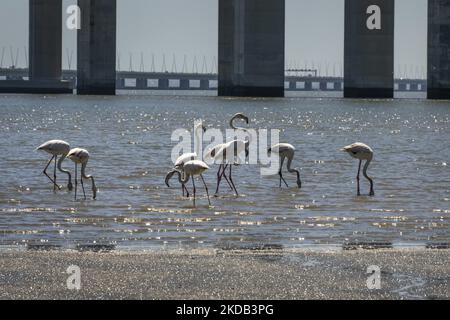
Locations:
column 213, row 274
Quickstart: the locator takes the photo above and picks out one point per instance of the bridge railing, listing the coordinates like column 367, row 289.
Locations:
column 127, row 80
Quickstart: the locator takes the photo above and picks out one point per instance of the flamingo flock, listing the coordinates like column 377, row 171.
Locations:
column 230, row 154
column 189, row 166
column 79, row 156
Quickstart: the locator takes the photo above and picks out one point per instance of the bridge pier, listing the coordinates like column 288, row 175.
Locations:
column 402, row 86
column 414, row 87
column 163, row 84
column 97, row 47
column 141, row 84
column 184, row 84
column 251, row 48
column 323, row 86
column 204, row 84
column 337, row 86
column 45, row 39
column 308, row 86
column 438, row 49
column 369, row 49
column 45, row 56
column 292, row 85
column 120, row 84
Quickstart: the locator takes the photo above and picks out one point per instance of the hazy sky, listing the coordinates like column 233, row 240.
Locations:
column 314, row 32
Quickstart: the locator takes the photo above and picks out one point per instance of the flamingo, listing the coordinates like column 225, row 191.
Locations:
column 81, row 156
column 181, row 160
column 57, row 148
column 220, row 150
column 179, row 164
column 286, row 151
column 211, row 154
column 191, row 169
column 362, row 152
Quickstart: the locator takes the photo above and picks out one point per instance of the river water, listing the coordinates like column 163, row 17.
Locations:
column 129, row 139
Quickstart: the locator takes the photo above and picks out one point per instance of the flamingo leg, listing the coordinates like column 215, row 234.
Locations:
column 225, row 176
column 232, row 183
column 358, row 178
column 187, row 191
column 82, row 187
column 206, row 188
column 46, row 174
column 193, row 183
column 219, row 178
column 372, row 191
column 281, row 174
column 76, row 182
column 54, row 175
column 221, row 175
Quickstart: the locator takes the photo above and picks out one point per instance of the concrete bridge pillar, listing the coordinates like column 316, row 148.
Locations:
column 424, row 87
column 438, row 49
column 45, row 40
column 337, row 86
column 251, row 48
column 369, row 49
column 184, row 84
column 414, row 87
column 204, row 84
column 163, row 84
column 97, row 47
column 45, row 56
column 402, row 86
column 120, row 84
column 141, row 83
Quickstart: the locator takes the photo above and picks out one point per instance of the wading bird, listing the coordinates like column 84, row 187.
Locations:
column 233, row 149
column 81, row 156
column 57, row 148
column 181, row 160
column 286, row 151
column 191, row 169
column 221, row 172
column 362, row 152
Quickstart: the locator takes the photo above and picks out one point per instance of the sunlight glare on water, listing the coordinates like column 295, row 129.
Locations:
column 129, row 139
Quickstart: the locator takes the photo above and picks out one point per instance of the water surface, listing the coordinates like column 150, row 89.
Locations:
column 129, row 141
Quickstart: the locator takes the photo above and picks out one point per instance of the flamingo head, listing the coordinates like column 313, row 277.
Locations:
column 169, row 176
column 242, row 117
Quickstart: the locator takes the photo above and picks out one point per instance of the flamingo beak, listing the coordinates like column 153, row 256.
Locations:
column 168, row 177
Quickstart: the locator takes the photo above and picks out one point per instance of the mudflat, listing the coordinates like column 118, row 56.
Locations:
column 215, row 274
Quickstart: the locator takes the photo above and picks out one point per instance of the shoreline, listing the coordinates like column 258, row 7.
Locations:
column 226, row 274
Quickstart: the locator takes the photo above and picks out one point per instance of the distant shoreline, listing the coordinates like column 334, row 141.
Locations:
column 212, row 274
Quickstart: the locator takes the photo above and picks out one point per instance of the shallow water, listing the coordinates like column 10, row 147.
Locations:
column 129, row 141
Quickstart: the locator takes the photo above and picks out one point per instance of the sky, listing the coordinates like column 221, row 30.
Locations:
column 180, row 29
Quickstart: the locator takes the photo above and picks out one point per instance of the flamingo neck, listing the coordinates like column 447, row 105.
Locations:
column 198, row 139
column 182, row 178
column 289, row 164
column 60, row 161
column 83, row 174
column 233, row 126
column 366, row 166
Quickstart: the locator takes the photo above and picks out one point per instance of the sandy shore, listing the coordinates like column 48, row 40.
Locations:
column 210, row 274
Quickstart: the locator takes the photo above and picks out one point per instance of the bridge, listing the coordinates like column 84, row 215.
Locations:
column 129, row 80
column 251, row 53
